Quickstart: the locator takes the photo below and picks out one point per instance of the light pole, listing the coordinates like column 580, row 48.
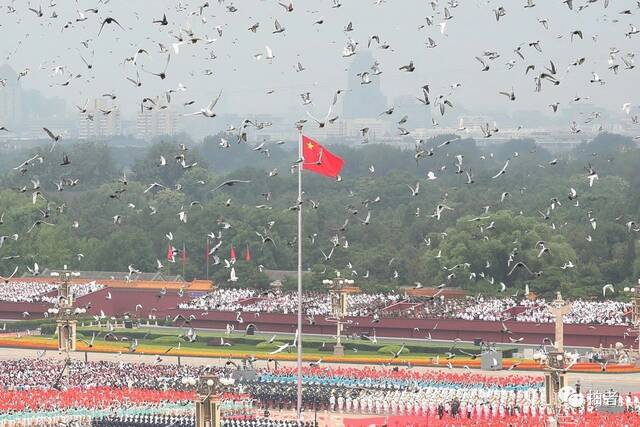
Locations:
column 555, row 360
column 339, row 289
column 209, row 390
column 554, row 379
column 66, row 318
column 65, row 312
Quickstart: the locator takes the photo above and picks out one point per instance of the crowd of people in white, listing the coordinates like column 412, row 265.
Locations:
column 41, row 292
column 582, row 312
column 359, row 305
column 476, row 402
column 220, row 299
column 470, row 308
column 525, row 310
column 315, row 303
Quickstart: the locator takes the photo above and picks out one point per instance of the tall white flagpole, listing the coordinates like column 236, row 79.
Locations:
column 301, row 160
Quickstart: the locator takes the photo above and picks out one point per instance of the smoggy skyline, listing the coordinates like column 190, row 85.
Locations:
column 52, row 51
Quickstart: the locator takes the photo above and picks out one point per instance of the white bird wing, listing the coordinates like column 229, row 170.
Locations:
column 12, row 274
column 280, row 349
column 312, row 117
column 504, row 168
column 329, row 113
column 214, row 102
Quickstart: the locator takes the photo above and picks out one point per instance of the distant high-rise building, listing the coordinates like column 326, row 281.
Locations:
column 418, row 115
column 363, row 101
column 154, row 123
column 102, row 120
column 10, row 98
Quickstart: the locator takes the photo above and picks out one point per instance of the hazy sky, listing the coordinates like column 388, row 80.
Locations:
column 41, row 43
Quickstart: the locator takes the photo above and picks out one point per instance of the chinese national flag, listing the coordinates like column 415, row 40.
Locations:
column 320, row 160
column 232, row 254
column 247, row 254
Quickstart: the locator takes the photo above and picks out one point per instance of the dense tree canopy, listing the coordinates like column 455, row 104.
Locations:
column 111, row 218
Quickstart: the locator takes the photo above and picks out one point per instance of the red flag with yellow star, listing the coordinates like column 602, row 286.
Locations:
column 320, row 160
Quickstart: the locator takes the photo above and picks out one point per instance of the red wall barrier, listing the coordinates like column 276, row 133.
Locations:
column 466, row 330
column 14, row 310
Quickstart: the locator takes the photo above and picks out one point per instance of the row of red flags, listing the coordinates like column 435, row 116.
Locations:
column 316, row 158
column 173, row 253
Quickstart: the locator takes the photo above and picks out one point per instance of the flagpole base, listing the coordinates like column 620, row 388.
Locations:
column 338, row 350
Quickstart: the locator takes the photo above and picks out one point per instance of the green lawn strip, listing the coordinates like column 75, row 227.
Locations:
column 162, row 339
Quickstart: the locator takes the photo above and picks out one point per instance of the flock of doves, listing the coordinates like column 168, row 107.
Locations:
column 178, row 45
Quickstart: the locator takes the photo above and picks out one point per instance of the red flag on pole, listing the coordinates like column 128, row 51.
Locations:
column 247, row 254
column 183, row 255
column 232, row 255
column 320, row 160
column 171, row 254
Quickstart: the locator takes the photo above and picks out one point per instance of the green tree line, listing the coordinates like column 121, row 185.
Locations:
column 481, row 225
